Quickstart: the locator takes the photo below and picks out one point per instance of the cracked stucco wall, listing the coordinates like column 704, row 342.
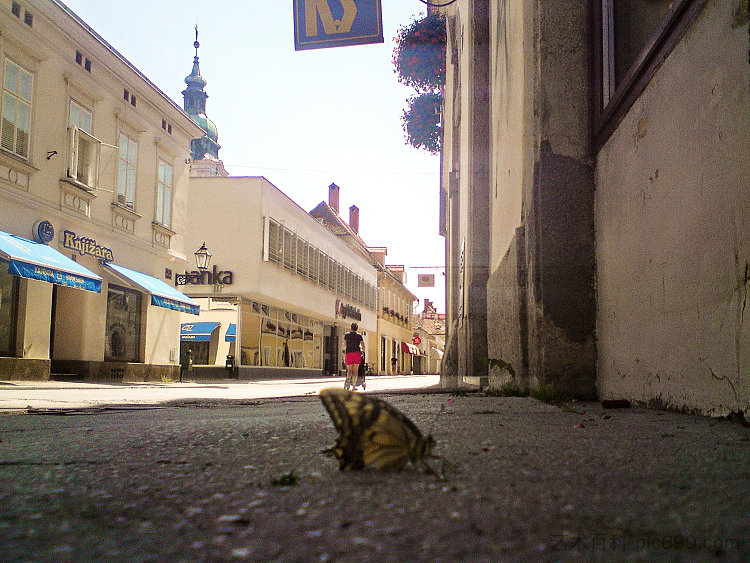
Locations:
column 673, row 228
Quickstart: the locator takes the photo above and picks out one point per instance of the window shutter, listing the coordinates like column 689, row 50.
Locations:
column 72, row 151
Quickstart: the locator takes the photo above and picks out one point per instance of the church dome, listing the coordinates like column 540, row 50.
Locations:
column 207, row 125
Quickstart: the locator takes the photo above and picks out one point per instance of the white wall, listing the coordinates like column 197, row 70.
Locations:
column 673, row 229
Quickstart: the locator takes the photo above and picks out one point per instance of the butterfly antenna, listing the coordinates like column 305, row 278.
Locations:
column 435, row 419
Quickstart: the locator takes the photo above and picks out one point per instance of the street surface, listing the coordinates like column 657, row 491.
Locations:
column 17, row 396
column 245, row 481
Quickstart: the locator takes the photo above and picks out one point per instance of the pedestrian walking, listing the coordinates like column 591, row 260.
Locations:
column 187, row 362
column 355, row 346
column 394, row 361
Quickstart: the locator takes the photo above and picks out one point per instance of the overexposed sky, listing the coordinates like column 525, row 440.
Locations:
column 302, row 119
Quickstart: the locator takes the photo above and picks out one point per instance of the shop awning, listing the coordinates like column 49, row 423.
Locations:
column 38, row 261
column 407, row 348
column 231, row 334
column 197, row 332
column 162, row 294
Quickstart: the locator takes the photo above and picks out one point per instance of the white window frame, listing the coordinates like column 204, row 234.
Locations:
column 17, row 100
column 127, row 166
column 84, row 149
column 164, row 194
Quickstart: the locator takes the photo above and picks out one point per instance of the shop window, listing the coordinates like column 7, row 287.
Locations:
column 251, row 338
column 16, row 111
column 123, row 332
column 126, row 167
column 164, row 187
column 8, row 309
column 635, row 37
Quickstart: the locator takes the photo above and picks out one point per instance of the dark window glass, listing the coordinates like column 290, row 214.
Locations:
column 8, row 308
column 132, row 100
column 28, row 18
column 87, row 65
column 79, row 57
column 123, row 334
column 15, row 8
column 635, row 22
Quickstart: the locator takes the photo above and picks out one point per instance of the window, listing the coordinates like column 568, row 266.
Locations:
column 15, row 9
column 635, row 37
column 164, row 188
column 126, row 165
column 84, row 147
column 123, row 332
column 16, row 120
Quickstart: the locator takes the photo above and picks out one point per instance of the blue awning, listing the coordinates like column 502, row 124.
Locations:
column 231, row 335
column 197, row 331
column 37, row 261
column 162, row 294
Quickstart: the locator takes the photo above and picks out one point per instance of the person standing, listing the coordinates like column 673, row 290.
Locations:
column 355, row 345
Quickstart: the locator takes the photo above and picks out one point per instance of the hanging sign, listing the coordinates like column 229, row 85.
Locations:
column 425, row 280
column 319, row 24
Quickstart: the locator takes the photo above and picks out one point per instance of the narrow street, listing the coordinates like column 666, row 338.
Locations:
column 19, row 396
column 246, row 481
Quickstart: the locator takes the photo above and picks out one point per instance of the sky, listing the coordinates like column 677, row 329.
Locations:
column 301, row 119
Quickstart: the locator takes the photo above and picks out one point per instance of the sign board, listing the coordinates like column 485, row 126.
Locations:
column 425, row 280
column 319, row 24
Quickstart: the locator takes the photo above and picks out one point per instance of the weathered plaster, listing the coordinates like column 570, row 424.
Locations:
column 673, row 229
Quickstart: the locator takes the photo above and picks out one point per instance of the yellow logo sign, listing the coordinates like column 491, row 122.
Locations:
column 335, row 23
column 315, row 8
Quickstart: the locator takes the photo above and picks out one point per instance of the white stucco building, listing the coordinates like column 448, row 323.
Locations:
column 93, row 179
column 281, row 289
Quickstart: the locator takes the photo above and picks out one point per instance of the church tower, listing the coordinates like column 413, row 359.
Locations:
column 205, row 150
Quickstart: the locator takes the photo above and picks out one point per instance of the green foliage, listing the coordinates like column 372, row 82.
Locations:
column 422, row 122
column 419, row 55
column 550, row 394
column 419, row 61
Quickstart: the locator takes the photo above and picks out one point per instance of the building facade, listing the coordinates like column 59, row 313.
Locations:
column 608, row 143
column 93, row 179
column 392, row 351
column 282, row 290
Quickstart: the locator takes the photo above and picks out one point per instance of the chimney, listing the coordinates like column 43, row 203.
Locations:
column 354, row 218
column 333, row 197
column 379, row 252
column 399, row 272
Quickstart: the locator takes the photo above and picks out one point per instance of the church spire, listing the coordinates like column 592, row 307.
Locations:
column 195, row 106
column 194, row 96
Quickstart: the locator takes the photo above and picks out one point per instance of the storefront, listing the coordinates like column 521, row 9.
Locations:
column 276, row 341
column 98, row 321
column 30, row 273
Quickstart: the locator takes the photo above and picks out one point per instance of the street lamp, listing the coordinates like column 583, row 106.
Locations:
column 202, row 258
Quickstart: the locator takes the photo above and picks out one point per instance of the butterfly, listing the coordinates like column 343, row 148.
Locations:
column 373, row 433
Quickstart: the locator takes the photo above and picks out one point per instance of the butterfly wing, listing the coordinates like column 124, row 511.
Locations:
column 372, row 432
column 393, row 440
column 346, row 410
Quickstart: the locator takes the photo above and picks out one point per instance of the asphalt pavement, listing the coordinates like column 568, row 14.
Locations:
column 218, row 480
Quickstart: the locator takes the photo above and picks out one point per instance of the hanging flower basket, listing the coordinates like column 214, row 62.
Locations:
column 419, row 55
column 422, row 122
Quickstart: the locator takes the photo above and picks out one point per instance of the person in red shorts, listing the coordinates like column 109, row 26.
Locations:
column 355, row 345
